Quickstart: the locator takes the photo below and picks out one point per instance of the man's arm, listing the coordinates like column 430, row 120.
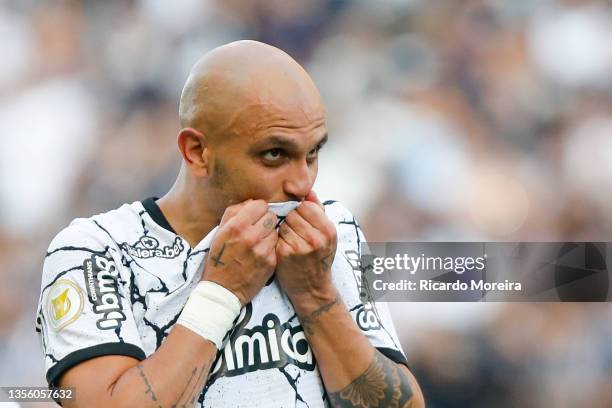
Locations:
column 171, row 377
column 242, row 259
column 354, row 373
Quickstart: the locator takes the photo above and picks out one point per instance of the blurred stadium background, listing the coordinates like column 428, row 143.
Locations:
column 449, row 120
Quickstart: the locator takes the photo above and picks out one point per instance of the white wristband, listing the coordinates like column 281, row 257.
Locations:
column 210, row 311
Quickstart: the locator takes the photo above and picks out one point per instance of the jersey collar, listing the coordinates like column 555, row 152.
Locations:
column 156, row 214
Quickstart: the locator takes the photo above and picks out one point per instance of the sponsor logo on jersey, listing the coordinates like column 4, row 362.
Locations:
column 353, row 258
column 101, row 281
column 65, row 303
column 264, row 346
column 367, row 318
column 148, row 247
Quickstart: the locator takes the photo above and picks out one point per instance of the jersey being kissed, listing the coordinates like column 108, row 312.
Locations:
column 117, row 282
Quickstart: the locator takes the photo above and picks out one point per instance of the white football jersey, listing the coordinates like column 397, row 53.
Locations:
column 117, row 282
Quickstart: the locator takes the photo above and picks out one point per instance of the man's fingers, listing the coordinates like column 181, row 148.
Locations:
column 265, row 225
column 302, row 228
column 231, row 212
column 315, row 216
column 314, row 198
column 265, row 246
column 293, row 239
column 250, row 213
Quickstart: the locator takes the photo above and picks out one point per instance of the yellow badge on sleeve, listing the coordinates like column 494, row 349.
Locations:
column 64, row 303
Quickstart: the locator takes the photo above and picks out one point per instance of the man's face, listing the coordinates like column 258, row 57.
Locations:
column 269, row 153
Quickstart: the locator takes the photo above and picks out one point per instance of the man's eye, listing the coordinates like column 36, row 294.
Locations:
column 314, row 152
column 272, row 155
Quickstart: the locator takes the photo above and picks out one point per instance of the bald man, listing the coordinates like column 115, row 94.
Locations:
column 238, row 288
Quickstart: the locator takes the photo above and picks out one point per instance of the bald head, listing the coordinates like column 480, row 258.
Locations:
column 235, row 87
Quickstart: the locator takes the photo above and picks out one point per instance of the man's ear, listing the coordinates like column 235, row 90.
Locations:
column 194, row 149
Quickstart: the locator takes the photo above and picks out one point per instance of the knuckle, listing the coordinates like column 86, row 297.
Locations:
column 271, row 259
column 260, row 204
column 316, row 243
column 330, row 232
column 233, row 227
column 248, row 239
column 259, row 253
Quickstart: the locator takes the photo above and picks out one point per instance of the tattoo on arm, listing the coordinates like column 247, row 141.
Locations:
column 193, row 373
column 217, row 259
column 308, row 321
column 382, row 384
column 149, row 389
column 196, row 386
column 201, row 380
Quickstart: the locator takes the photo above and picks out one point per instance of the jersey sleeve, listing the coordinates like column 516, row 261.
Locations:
column 373, row 318
column 83, row 311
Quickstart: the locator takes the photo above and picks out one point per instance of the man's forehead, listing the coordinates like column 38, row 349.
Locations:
column 264, row 120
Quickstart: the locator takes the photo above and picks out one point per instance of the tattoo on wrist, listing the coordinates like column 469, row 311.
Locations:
column 308, row 321
column 382, row 384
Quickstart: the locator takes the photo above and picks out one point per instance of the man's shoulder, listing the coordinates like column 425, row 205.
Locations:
column 95, row 230
column 350, row 235
column 338, row 212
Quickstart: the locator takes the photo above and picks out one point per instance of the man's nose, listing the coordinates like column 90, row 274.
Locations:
column 298, row 181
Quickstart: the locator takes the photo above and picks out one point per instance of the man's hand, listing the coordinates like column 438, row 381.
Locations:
column 305, row 252
column 242, row 257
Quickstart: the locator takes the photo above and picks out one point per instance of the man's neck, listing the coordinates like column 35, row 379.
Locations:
column 187, row 214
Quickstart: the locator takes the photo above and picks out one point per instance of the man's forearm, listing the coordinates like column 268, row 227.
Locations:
column 355, row 374
column 173, row 376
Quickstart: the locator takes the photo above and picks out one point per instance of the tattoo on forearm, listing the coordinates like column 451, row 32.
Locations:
column 193, row 373
column 217, row 259
column 382, row 384
column 195, row 384
column 149, row 389
column 199, row 384
column 308, row 321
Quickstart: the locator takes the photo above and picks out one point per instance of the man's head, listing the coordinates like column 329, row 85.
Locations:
column 252, row 123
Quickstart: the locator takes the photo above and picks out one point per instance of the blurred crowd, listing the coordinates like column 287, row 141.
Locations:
column 449, row 120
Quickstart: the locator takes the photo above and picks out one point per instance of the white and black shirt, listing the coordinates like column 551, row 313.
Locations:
column 116, row 283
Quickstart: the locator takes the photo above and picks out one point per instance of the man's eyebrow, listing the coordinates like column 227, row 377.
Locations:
column 323, row 140
column 287, row 143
